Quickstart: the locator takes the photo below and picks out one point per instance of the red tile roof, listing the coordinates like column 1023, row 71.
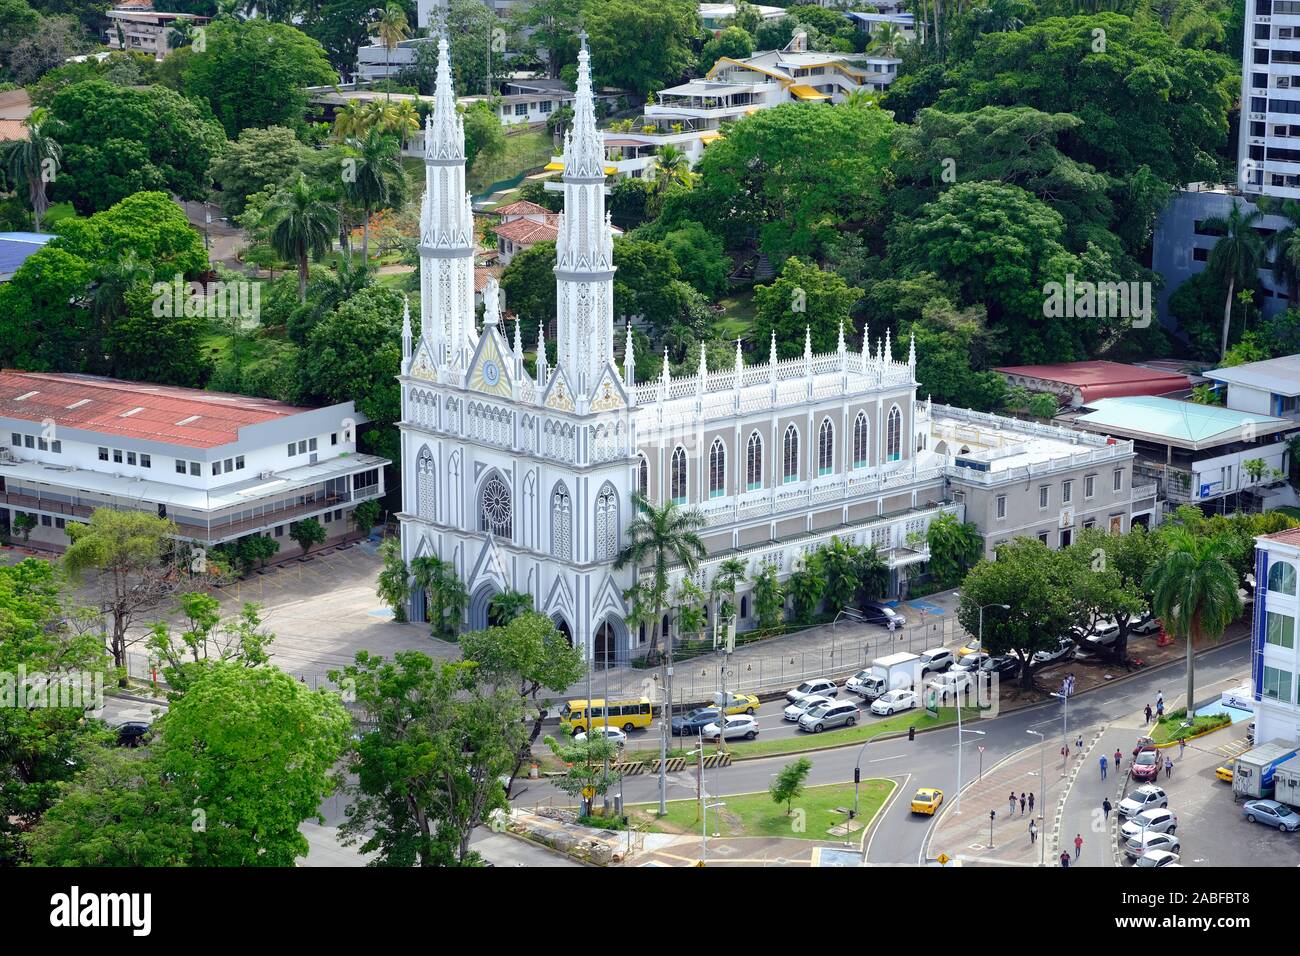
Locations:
column 521, row 207
column 1289, row 536
column 525, row 232
column 211, row 418
column 481, row 274
column 1101, row 379
column 12, row 129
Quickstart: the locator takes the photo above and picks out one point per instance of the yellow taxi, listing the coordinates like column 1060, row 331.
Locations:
column 972, row 648
column 1225, row 771
column 927, row 800
column 741, row 704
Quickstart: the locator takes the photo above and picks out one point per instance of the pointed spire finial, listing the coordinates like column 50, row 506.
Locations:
column 889, row 348
column 771, row 352
column 740, row 361
column 911, row 350
column 839, row 345
column 665, row 375
column 584, row 147
column 866, row 340
column 444, row 129
column 519, row 340
column 807, row 341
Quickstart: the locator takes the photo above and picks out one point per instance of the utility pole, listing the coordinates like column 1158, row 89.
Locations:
column 1042, row 776
column 665, row 717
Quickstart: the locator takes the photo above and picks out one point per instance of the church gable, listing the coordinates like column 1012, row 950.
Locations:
column 608, row 601
column 489, row 568
column 558, row 393
column 488, row 371
column 560, row 600
column 422, row 362
column 608, row 394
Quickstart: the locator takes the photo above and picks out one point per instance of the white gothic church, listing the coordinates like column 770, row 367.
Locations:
column 525, row 482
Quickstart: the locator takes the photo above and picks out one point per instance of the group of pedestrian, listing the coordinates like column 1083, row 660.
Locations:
column 1023, row 799
column 1067, row 685
column 1160, row 707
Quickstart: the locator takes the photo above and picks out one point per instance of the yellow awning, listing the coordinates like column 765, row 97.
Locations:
column 807, row 92
column 710, row 137
column 610, row 170
column 555, row 167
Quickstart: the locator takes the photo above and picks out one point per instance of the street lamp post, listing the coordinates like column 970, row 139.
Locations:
column 1042, row 769
column 1065, row 715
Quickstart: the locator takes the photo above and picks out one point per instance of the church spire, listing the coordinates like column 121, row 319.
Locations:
column 584, row 147
column 444, row 129
column 629, row 360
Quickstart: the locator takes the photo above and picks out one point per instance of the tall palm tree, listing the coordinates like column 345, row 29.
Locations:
column 300, row 223
column 378, row 167
column 390, row 29
column 114, row 281
column 1285, row 243
column 1236, row 257
column 887, row 40
column 659, row 537
column 350, row 121
column 35, row 161
column 729, row 576
column 405, row 120
column 861, row 98
column 1194, row 591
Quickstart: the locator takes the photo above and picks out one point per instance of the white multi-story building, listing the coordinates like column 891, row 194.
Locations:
column 1275, row 661
column 221, row 466
column 1269, row 145
column 137, row 27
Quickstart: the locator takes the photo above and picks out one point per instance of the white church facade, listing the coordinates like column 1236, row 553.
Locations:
column 525, row 482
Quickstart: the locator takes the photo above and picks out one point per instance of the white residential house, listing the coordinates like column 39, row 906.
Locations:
column 1271, row 387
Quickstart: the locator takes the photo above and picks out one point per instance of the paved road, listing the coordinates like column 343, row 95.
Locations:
column 930, row 760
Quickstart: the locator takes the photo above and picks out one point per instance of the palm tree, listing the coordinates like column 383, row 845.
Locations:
column 378, row 166
column 349, row 122
column 674, row 165
column 300, row 224
column 659, row 537
column 35, row 160
column 391, row 29
column 405, row 120
column 181, row 34
column 1194, row 591
column 1236, row 257
column 115, row 280
column 861, row 98
column 887, row 40
column 729, row 576
column 1285, row 244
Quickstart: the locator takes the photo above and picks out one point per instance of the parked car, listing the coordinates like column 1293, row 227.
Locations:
column 971, row 662
column 1146, row 765
column 741, row 703
column 1146, row 797
column 799, row 708
column 893, row 702
column 874, row 612
column 1147, row 625
column 695, row 721
column 951, row 682
column 927, row 800
column 822, row 685
column 1005, row 667
column 858, row 682
column 1226, row 771
column 835, row 714
column 743, row 725
column 612, row 734
column 1158, row 858
column 970, row 647
column 132, row 733
column 1155, row 820
column 1135, row 847
column 1104, row 633
column 1062, row 649
column 1271, row 812
column 936, row 661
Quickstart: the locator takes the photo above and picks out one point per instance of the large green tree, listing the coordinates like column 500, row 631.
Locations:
column 641, row 46
column 803, row 298
column 257, row 159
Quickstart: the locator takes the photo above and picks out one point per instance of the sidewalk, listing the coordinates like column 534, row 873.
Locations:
column 965, row 837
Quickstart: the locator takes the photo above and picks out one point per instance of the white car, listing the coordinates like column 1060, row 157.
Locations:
column 1146, row 797
column 1104, row 633
column 612, row 734
column 937, row 660
column 822, row 685
column 1062, row 649
column 1136, row 847
column 1147, row 625
column 797, row 710
column 893, row 702
column 950, row 682
column 858, row 682
column 970, row 663
column 1158, row 858
column 742, row 725
column 1155, row 820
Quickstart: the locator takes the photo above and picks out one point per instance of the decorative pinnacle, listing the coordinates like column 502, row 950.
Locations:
column 807, row 341
column 771, row 353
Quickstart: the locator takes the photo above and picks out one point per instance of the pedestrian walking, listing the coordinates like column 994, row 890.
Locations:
column 1065, row 859
column 1105, row 809
column 1182, row 745
column 1022, row 804
column 1160, row 698
column 1148, row 713
column 1078, row 845
column 1078, row 743
column 1169, row 767
column 1065, row 753
column 1160, row 709
column 1103, row 766
column 1011, row 802
column 1119, row 759
column 1033, row 832
column 1031, row 801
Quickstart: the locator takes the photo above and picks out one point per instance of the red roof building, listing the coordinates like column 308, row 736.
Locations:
column 1078, row 383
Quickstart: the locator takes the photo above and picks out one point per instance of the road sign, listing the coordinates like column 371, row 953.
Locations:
column 943, row 859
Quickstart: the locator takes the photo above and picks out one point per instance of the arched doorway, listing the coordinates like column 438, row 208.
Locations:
column 604, row 646
column 562, row 626
column 480, row 607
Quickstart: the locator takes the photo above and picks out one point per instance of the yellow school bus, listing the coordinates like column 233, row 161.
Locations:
column 623, row 714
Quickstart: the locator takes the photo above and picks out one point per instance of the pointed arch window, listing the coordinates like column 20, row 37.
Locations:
column 717, row 469
column 790, row 455
column 677, row 476
column 495, row 507
column 642, row 475
column 606, row 523
column 894, row 435
column 426, row 484
column 561, row 523
column 826, row 448
column 860, row 445
column 754, row 463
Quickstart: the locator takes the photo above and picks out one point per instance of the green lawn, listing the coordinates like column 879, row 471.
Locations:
column 523, row 151
column 755, row 815
column 1170, row 727
column 739, row 314
column 849, row 735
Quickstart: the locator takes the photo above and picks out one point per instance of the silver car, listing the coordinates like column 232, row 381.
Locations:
column 1271, row 812
column 1146, row 797
column 1155, row 820
column 797, row 710
column 1136, row 846
column 835, row 714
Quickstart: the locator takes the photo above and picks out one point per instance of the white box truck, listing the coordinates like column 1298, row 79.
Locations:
column 895, row 672
column 1254, row 774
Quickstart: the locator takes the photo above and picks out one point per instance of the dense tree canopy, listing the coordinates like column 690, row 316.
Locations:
column 620, row 53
